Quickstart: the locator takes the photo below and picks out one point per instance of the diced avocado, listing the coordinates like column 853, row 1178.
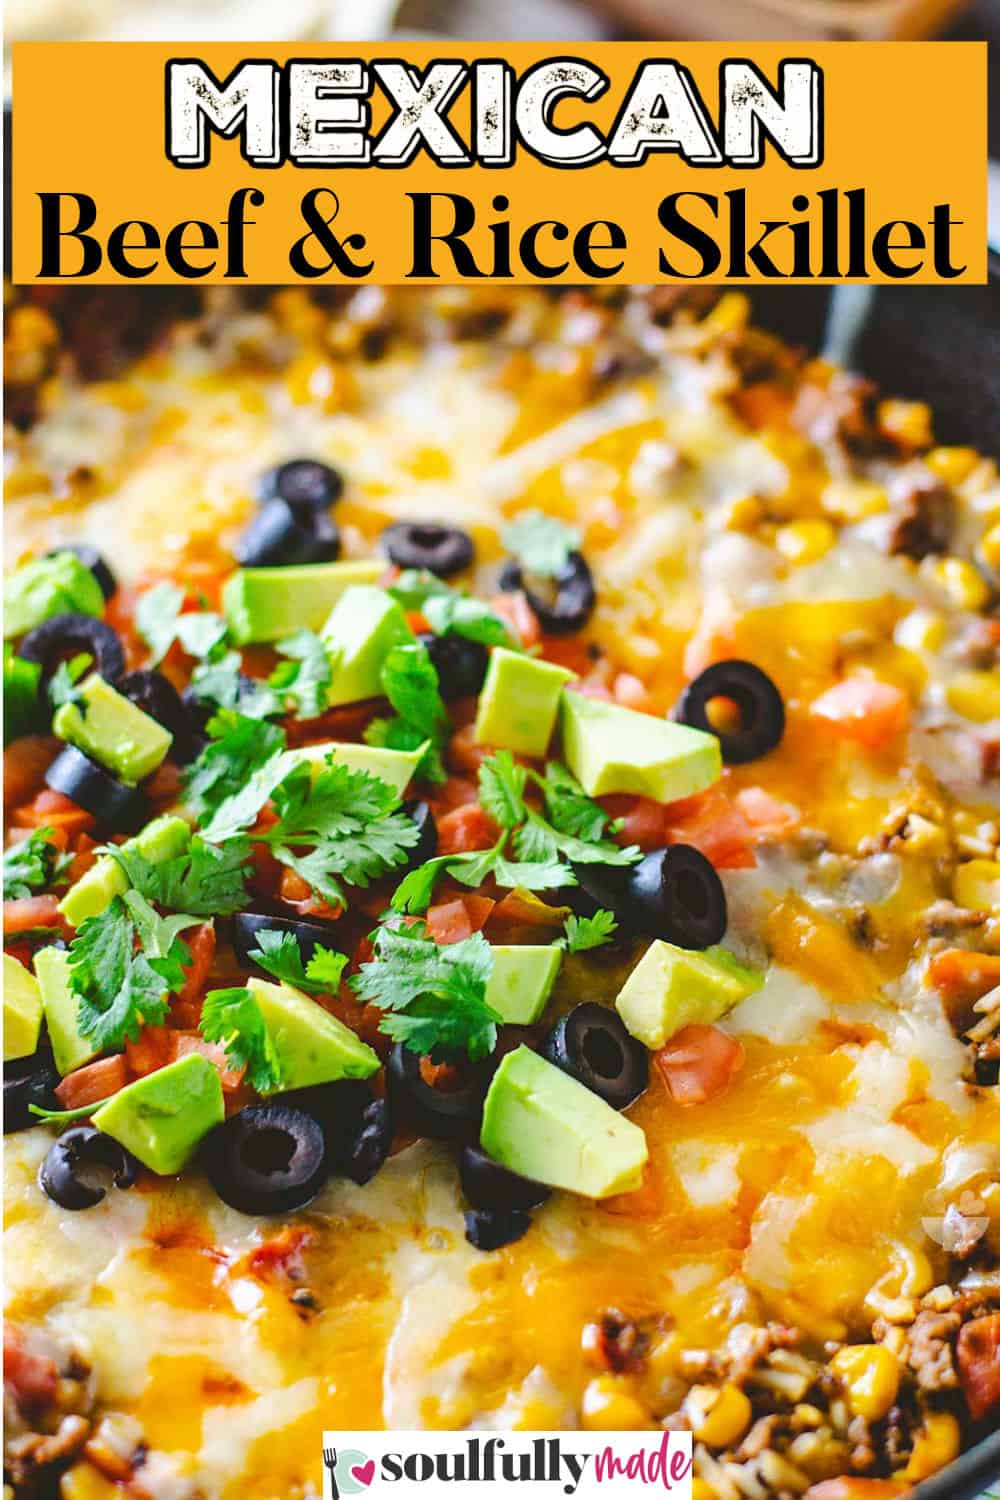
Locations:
column 311, row 1045
column 109, row 728
column 22, row 1009
column 521, row 982
column 613, row 749
column 162, row 839
column 672, row 987
column 363, row 627
column 393, row 766
column 161, row 1118
column 46, row 586
column 23, row 710
column 519, row 702
column 540, row 1122
column 70, row 1047
column 266, row 604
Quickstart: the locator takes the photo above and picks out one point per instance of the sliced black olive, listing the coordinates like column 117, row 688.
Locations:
column 92, row 559
column 302, row 481
column 267, row 1159
column 81, row 1147
column 492, row 1228
column 563, row 603
column 114, row 804
column 281, row 535
column 460, row 663
column 592, row 1045
column 307, row 933
column 441, row 1113
column 676, row 894
column 443, row 550
column 28, row 1080
column 489, row 1185
column 426, row 846
column 63, row 636
column 358, row 1137
column 599, row 886
column 363, row 1151
column 157, row 696
column 758, row 704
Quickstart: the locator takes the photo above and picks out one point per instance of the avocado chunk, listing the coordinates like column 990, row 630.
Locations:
column 161, row 1118
column 46, row 586
column 23, row 709
column 70, row 1047
column 521, row 982
column 362, row 629
column 613, row 749
column 266, row 604
column 311, row 1045
column 393, row 766
column 22, row 1009
column 109, row 728
column 519, row 702
column 672, row 987
column 162, row 839
column 540, row 1122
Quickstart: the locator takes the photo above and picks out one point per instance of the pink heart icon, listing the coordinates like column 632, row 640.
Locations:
column 364, row 1473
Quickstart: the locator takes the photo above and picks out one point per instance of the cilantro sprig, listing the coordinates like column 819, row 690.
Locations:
column 449, row 612
column 301, row 682
column 206, row 880
column 243, row 753
column 278, row 953
column 410, row 682
column 160, row 621
column 585, row 933
column 433, row 996
column 233, row 1018
column 542, row 544
column 572, row 830
column 33, row 865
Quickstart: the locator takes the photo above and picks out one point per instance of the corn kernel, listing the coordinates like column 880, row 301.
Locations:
column 976, row 885
column 952, row 465
column 921, row 630
column 989, row 548
column 744, row 513
column 732, row 311
column 906, row 422
column 84, row 1482
column 871, row 1378
column 964, row 584
column 719, row 1416
column 976, row 696
column 935, row 1445
column 609, row 1406
column 852, row 500
column 804, row 541
column 701, row 1489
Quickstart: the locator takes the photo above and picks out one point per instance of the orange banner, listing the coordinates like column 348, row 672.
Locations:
column 449, row 162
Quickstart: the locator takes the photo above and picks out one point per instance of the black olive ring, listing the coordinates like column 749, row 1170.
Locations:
column 282, row 534
column 156, row 695
column 592, row 1045
column 567, row 605
column 442, row 550
column 268, row 1159
column 113, row 803
column 302, row 481
column 676, row 894
column 84, row 1146
column 757, row 700
column 442, row 1114
column 70, row 634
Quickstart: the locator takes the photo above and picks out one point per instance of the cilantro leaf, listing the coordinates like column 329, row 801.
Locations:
column 501, row 789
column 541, row 543
column 159, row 621
column 410, row 682
column 434, row 996
column 303, row 681
column 569, row 808
column 583, row 933
column 449, row 612
column 219, row 679
column 33, row 864
column 118, row 988
column 279, row 954
column 204, row 881
column 62, row 685
column 234, row 1018
column 244, row 753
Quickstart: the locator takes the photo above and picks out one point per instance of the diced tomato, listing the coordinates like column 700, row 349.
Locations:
column 847, row 1487
column 185, row 1007
column 569, row 651
column 519, row 615
column 27, row 912
column 296, row 892
column 699, row 1062
column 464, row 752
column 92, row 1083
column 83, row 859
column 768, row 816
column 150, row 1052
column 451, row 921
column 863, row 709
column 961, row 975
column 183, row 1043
column 456, row 792
column 644, row 822
column 346, row 722
column 418, row 623
column 55, row 811
column 465, row 829
column 25, row 763
column 164, row 786
column 762, row 404
column 977, row 1353
column 281, row 1256
column 31, row 1377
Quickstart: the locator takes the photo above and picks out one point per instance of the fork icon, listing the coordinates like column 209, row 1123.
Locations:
column 330, row 1462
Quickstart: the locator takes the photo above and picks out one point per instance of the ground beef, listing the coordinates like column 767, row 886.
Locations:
column 930, row 1351
column 921, row 519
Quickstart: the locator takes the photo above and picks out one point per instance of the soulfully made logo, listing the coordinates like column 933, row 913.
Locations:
column 578, row 1464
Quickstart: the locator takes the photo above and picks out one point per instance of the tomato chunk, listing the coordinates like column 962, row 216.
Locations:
column 92, row 1083
column 464, row 829
column 699, row 1063
column 977, row 1353
column 26, row 912
column 865, row 710
column 961, row 975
